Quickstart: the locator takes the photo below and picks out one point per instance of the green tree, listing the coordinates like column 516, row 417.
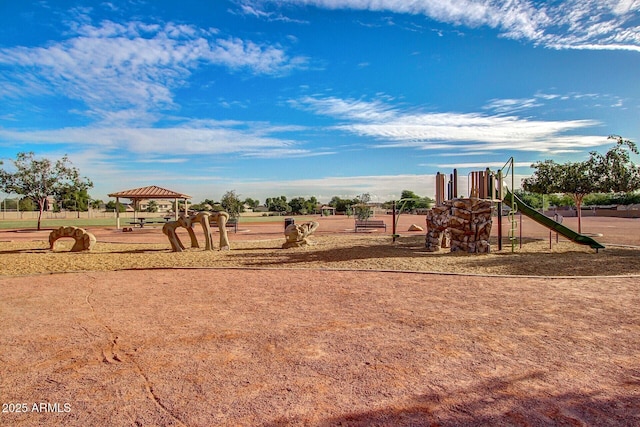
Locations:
column 232, row 204
column 600, row 173
column 252, row 203
column 277, row 204
column 311, row 205
column 38, row 179
column 111, row 206
column 532, row 199
column 152, row 206
column 27, row 205
column 298, row 206
column 545, row 180
column 577, row 179
column 413, row 201
column 75, row 199
column 341, row 205
column 361, row 208
column 616, row 171
column 560, row 200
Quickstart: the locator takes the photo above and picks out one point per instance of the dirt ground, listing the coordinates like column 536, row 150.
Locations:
column 352, row 331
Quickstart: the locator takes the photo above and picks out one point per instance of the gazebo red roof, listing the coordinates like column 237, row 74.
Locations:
column 150, row 192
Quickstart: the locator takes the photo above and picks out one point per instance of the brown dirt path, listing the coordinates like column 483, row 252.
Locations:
column 319, row 348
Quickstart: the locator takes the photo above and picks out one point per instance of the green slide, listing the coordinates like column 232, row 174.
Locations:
column 549, row 223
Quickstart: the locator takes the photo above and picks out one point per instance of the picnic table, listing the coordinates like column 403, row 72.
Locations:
column 141, row 221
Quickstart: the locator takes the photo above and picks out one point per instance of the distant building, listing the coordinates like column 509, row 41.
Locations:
column 163, row 205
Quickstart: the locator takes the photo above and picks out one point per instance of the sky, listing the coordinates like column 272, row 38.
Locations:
column 314, row 97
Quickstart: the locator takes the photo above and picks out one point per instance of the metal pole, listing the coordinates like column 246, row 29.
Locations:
column 499, row 226
column 520, row 230
column 455, row 183
column 394, row 221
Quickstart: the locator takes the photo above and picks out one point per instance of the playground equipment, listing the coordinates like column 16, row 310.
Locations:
column 398, row 207
column 296, row 234
column 462, row 224
column 205, row 219
column 491, row 187
column 85, row 241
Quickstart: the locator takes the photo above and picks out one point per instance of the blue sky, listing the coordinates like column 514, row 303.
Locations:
column 314, row 97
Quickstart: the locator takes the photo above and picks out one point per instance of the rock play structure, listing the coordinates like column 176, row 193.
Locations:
column 205, row 219
column 296, row 234
column 464, row 224
column 85, row 241
column 460, row 224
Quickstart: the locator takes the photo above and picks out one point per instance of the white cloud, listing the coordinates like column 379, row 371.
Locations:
column 502, row 106
column 571, row 24
column 197, row 138
column 132, row 67
column 346, row 108
column 464, row 131
column 480, row 165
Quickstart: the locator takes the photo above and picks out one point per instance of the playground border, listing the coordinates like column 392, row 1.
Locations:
column 384, row 271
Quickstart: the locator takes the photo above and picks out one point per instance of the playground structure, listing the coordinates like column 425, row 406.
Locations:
column 84, row 241
column 453, row 216
column 296, row 234
column 204, row 219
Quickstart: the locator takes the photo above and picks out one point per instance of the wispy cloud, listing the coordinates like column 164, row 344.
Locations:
column 131, row 69
column 256, row 9
column 465, row 131
column 375, row 111
column 517, row 105
column 510, row 106
column 481, row 165
column 572, row 24
column 197, row 138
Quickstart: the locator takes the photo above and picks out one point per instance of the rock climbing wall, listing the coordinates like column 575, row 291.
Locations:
column 437, row 224
column 468, row 222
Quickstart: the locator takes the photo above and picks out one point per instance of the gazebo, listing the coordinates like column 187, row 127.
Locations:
column 151, row 192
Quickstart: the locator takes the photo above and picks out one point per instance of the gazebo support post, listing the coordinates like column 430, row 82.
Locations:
column 117, row 213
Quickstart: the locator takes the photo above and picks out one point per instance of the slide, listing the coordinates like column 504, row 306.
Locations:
column 549, row 223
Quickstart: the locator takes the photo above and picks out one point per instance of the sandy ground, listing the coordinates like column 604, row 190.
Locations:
column 336, row 246
column 282, row 339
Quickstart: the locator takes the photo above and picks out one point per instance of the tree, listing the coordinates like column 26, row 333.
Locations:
column 298, row 206
column 616, row 171
column 601, row 173
column 252, row 203
column 545, row 180
column 38, row 179
column 311, row 205
column 232, row 204
column 111, row 206
column 277, row 204
column 532, row 199
column 75, row 199
column 27, row 205
column 341, row 205
column 418, row 202
column 96, row 204
column 152, row 206
column 361, row 208
column 576, row 179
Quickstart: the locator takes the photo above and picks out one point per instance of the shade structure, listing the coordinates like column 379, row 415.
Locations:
column 150, row 192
